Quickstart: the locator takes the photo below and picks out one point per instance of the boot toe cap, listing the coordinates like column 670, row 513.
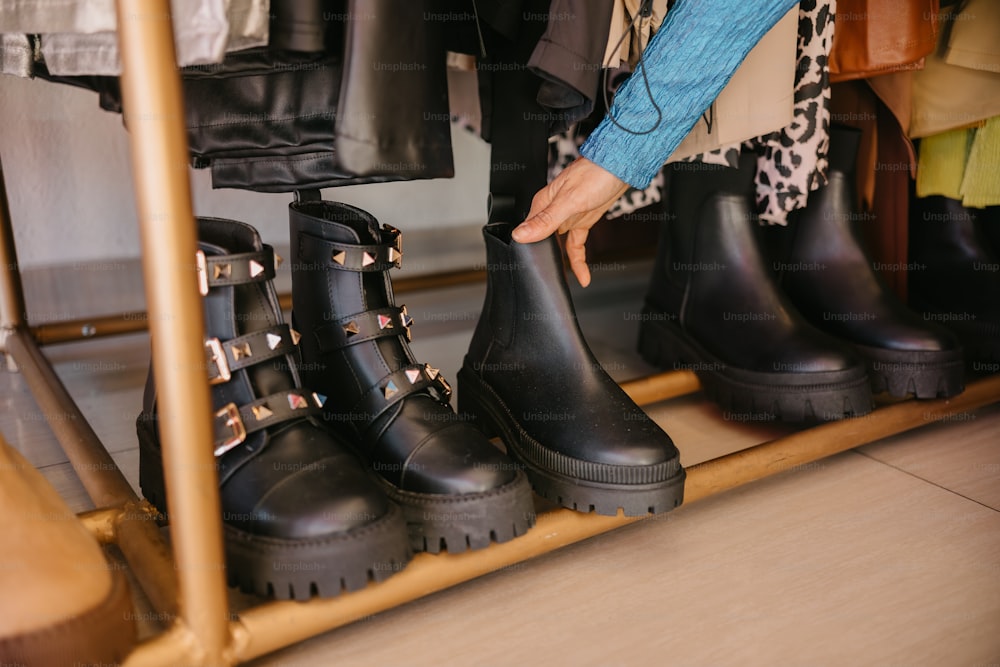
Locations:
column 456, row 460
column 314, row 500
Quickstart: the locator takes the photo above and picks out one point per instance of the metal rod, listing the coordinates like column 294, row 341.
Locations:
column 11, row 295
column 98, row 472
column 133, row 527
column 661, row 386
column 154, row 116
column 102, row 523
column 136, row 321
column 275, row 625
column 140, row 540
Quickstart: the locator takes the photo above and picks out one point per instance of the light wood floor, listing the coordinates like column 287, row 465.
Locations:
column 887, row 555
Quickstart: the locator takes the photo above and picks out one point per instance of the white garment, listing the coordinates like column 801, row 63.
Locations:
column 78, row 36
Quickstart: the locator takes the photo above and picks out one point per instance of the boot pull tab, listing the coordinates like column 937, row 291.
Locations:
column 310, row 194
column 502, row 208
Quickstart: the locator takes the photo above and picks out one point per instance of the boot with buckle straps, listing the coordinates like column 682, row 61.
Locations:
column 301, row 515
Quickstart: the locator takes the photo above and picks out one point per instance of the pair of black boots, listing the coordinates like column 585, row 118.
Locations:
column 338, row 454
column 785, row 323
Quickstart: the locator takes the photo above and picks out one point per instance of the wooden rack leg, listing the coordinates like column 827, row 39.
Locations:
column 154, row 116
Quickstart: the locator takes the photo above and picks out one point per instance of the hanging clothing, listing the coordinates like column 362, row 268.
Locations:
column 962, row 164
column 792, row 161
column 960, row 83
column 77, row 37
column 686, row 70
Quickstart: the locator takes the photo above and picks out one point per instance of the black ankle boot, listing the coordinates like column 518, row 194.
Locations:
column 821, row 265
column 301, row 516
column 530, row 378
column 713, row 307
column 457, row 489
column 954, row 276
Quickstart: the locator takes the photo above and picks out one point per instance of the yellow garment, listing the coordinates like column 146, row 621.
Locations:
column 962, row 164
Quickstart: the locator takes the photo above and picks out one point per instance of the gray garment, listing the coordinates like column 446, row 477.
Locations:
column 78, row 36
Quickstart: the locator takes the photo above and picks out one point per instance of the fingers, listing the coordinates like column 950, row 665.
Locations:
column 577, row 254
column 544, row 222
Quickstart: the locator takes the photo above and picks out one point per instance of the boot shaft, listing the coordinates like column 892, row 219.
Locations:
column 686, row 248
column 243, row 321
column 342, row 296
column 528, row 310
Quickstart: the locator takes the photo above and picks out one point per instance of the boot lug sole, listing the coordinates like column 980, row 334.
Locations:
column 293, row 569
column 492, row 415
column 926, row 374
column 461, row 522
column 756, row 396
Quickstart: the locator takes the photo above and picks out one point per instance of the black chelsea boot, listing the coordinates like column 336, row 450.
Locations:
column 530, row 378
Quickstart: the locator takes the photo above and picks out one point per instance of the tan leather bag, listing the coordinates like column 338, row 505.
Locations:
column 875, row 37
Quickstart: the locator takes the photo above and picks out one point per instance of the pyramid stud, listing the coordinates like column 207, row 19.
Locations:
column 384, row 322
column 261, row 412
column 351, row 328
column 395, row 255
column 278, row 259
column 340, row 257
column 431, row 372
column 273, row 341
column 297, row 401
column 367, row 259
column 296, row 336
column 391, row 390
column 404, row 317
column 319, row 398
column 242, row 350
column 413, row 375
column 222, row 271
column 256, row 268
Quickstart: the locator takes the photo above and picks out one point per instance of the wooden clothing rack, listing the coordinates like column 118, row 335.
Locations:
column 187, row 580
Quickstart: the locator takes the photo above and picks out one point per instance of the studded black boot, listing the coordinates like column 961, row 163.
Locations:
column 301, row 516
column 530, row 377
column 457, row 489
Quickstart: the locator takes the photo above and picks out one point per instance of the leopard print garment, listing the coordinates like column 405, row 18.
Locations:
column 791, row 161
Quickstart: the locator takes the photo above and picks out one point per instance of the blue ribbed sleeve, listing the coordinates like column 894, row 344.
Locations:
column 688, row 63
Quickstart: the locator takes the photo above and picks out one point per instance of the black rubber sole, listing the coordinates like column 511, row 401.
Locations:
column 923, row 374
column 293, row 569
column 456, row 523
column 478, row 399
column 749, row 396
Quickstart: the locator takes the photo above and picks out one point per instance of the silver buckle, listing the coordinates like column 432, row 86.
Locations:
column 218, row 359
column 201, row 266
column 233, row 421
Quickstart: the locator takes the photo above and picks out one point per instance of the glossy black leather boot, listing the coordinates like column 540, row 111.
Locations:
column 530, row 378
column 713, row 307
column 820, row 263
column 301, row 516
column 457, row 489
column 954, row 276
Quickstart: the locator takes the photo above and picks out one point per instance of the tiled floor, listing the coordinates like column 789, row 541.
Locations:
column 885, row 555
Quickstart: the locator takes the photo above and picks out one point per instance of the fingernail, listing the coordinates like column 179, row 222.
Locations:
column 517, row 234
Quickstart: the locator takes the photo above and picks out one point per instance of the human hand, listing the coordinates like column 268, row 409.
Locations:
column 571, row 204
